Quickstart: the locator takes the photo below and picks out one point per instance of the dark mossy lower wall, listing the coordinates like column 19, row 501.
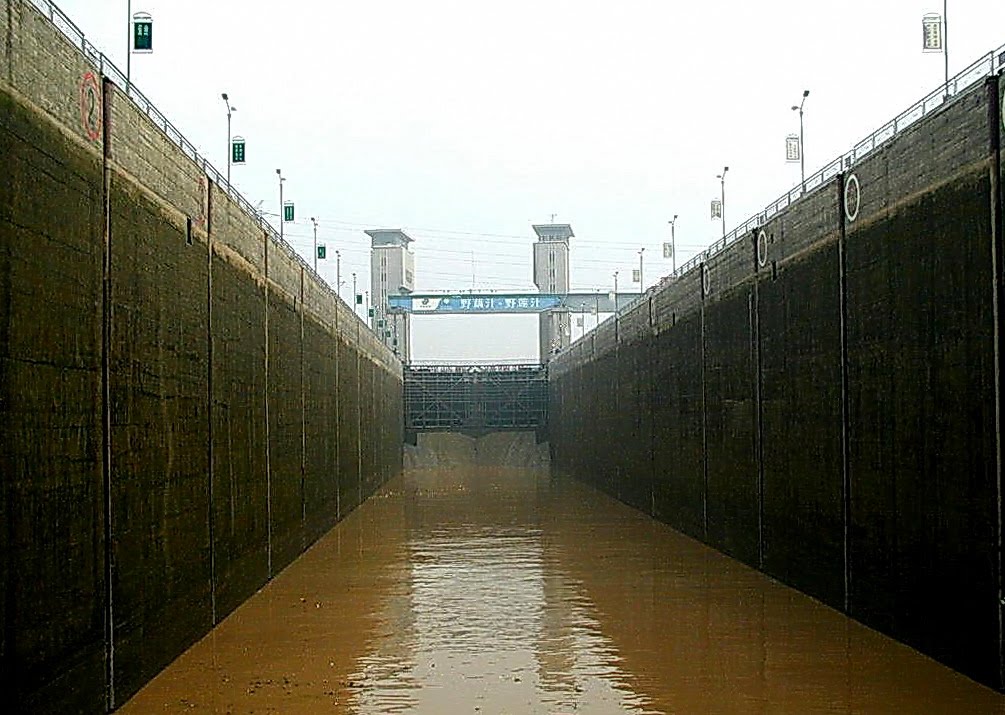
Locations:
column 239, row 445
column 799, row 325
column 679, row 444
column 158, row 404
column 52, row 544
column 822, row 395
column 732, row 478
column 179, row 420
column 922, row 445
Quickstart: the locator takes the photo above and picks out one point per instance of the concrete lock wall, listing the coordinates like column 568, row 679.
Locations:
column 185, row 406
column 819, row 399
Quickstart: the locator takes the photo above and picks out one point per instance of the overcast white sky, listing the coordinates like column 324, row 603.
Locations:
column 464, row 122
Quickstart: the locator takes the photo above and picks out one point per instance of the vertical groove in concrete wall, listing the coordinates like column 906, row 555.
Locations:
column 210, row 414
column 359, row 426
column 268, row 421
column 704, row 408
column 755, row 321
column 650, row 360
column 106, row 446
column 336, row 352
column 303, row 418
column 845, row 478
column 996, row 98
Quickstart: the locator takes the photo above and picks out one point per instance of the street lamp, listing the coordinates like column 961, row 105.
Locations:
column 230, row 110
column 315, row 222
column 279, row 173
column 338, row 274
column 642, row 282
column 129, row 43
column 673, row 245
column 945, row 40
column 615, row 291
column 802, row 149
column 722, row 180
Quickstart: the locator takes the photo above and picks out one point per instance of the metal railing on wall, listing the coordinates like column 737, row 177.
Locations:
column 985, row 66
column 473, row 365
column 109, row 70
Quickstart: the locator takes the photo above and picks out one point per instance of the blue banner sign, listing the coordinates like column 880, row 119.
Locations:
column 474, row 303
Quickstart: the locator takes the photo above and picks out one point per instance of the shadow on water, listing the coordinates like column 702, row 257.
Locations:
column 477, row 583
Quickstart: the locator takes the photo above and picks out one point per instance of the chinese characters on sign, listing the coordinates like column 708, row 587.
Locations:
column 237, row 153
column 931, row 33
column 493, row 304
column 716, row 208
column 143, row 27
column 475, row 303
column 792, row 148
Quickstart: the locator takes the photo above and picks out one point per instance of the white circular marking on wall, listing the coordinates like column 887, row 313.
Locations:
column 852, row 197
column 706, row 280
column 762, row 249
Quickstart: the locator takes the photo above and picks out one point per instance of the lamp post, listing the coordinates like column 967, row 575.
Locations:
column 315, row 222
column 129, row 43
column 642, row 281
column 722, row 180
column 230, row 110
column 673, row 245
column 338, row 274
column 279, row 173
column 945, row 41
column 802, row 149
column 615, row 291
column 354, row 293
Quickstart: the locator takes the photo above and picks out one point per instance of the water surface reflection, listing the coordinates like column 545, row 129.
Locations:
column 493, row 591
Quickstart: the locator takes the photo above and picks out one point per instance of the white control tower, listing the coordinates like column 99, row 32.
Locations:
column 392, row 272
column 551, row 275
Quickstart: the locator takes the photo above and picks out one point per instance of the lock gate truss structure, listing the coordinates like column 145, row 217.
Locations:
column 475, row 399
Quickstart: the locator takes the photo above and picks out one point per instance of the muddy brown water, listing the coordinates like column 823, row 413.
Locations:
column 477, row 584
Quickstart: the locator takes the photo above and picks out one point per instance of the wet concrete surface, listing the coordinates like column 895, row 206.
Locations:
column 471, row 589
